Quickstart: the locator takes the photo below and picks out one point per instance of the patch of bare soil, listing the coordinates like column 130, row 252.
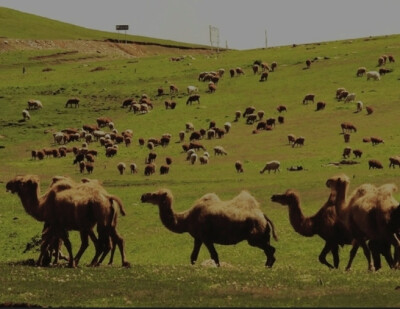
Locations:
column 107, row 49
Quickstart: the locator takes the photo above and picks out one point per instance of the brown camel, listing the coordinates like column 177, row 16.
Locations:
column 367, row 214
column 70, row 206
column 213, row 221
column 324, row 224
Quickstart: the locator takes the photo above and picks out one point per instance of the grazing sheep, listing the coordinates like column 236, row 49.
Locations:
column 361, row 71
column 357, row 153
column 149, row 169
column 255, row 68
column 164, row 169
column 89, row 167
column 376, row 140
column 381, row 61
column 195, row 135
column 320, row 105
column 141, row 141
column 72, row 101
column 308, row 97
column 369, row 110
column 374, row 75
column 291, row 138
column 271, row 122
column 271, row 166
column 274, row 65
column 339, row 91
column 103, row 121
column 281, row 108
column 251, row 118
column 121, row 166
column 193, row 98
column 383, row 71
column 193, row 158
column 26, row 115
column 82, row 166
column 359, row 106
column 192, row 89
column 160, row 91
column 374, row 164
column 181, row 136
column 212, row 87
column 133, row 168
column 298, row 141
column 249, row 110
column 33, row 154
column 343, row 95
column 111, row 151
column 168, row 160
column 264, row 76
column 366, row 140
column 237, row 115
column 151, row 157
column 232, row 72
column 308, row 63
column 203, row 159
column 211, row 134
column 239, row 166
column 346, row 152
column 265, row 67
column 211, row 220
column 150, row 145
column 220, row 133
column 350, row 97
column 346, row 137
column 239, row 71
column 34, row 104
column 227, row 126
column 348, row 127
column 391, row 58
column 281, row 119
column 196, row 146
column 173, row 89
column 219, row 150
column 395, row 160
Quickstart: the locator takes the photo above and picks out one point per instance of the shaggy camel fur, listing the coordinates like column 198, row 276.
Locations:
column 324, row 223
column 366, row 213
column 71, row 206
column 213, row 221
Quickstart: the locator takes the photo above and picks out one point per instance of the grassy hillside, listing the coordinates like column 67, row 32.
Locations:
column 160, row 273
column 18, row 25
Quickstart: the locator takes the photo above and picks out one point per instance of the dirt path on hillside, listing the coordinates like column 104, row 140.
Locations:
column 107, row 49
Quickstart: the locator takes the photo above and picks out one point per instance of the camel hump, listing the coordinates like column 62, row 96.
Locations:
column 119, row 202
column 245, row 201
column 271, row 225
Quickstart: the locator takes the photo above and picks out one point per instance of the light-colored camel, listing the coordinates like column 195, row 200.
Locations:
column 367, row 214
column 324, row 224
column 70, row 206
column 213, row 221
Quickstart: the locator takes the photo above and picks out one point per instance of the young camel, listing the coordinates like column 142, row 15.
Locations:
column 68, row 206
column 367, row 214
column 324, row 224
column 213, row 221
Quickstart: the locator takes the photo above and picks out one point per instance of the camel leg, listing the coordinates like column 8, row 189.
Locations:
column 100, row 244
column 263, row 243
column 114, row 245
column 84, row 245
column 67, row 243
column 367, row 254
column 213, row 252
column 196, row 250
column 269, row 252
column 335, row 254
column 322, row 255
column 376, row 253
column 121, row 246
column 353, row 253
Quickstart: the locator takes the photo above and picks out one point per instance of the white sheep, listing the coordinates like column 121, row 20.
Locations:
column 227, row 126
column 189, row 153
column 34, row 104
column 271, row 165
column 373, row 74
column 189, row 126
column 219, row 150
column 133, row 167
column 192, row 89
column 350, row 97
column 193, row 158
column 203, row 159
column 26, row 115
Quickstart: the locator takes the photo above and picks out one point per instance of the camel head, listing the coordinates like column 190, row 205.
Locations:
column 23, row 184
column 157, row 197
column 287, row 198
column 338, row 183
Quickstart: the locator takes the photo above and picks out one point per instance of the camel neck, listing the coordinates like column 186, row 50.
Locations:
column 301, row 224
column 174, row 222
column 31, row 203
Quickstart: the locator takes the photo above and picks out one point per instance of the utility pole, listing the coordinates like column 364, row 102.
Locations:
column 266, row 41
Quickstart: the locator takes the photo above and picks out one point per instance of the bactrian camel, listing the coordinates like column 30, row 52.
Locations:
column 324, row 224
column 367, row 213
column 68, row 206
column 213, row 221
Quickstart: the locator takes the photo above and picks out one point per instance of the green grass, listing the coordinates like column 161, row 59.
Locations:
column 161, row 274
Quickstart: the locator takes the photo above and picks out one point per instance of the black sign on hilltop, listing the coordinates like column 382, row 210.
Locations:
column 122, row 27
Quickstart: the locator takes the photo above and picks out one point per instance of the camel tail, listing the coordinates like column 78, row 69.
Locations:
column 119, row 202
column 271, row 225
